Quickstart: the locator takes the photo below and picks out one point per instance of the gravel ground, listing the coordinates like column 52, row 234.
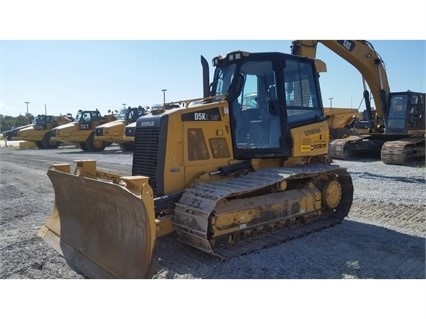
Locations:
column 382, row 238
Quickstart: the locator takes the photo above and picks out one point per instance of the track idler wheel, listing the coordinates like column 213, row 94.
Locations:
column 331, row 194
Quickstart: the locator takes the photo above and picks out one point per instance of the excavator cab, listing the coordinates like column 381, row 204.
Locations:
column 406, row 112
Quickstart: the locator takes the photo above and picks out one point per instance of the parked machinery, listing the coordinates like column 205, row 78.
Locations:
column 341, row 121
column 397, row 131
column 226, row 180
column 40, row 131
column 112, row 132
column 82, row 130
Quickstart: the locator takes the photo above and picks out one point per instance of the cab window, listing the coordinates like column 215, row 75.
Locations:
column 300, row 93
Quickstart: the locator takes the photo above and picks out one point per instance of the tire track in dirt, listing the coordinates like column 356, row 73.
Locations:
column 407, row 218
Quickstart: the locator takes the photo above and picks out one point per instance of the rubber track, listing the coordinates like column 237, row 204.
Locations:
column 193, row 212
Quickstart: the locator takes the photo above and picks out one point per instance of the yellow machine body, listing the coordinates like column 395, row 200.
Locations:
column 112, row 132
column 39, row 132
column 395, row 130
column 216, row 173
column 129, row 132
column 82, row 131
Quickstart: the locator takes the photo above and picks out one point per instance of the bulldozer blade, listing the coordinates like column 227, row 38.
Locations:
column 101, row 228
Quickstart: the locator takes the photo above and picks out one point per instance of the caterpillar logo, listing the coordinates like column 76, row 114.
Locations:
column 347, row 44
column 147, row 123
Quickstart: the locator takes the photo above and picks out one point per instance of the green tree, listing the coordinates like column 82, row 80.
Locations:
column 7, row 122
column 21, row 120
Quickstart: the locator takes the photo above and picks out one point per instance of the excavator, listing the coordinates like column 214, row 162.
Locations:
column 397, row 131
column 222, row 178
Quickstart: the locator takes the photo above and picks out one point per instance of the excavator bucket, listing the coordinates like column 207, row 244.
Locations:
column 103, row 229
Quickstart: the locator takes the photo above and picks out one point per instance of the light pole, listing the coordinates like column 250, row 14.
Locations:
column 124, row 105
column 28, row 119
column 164, row 95
column 331, row 101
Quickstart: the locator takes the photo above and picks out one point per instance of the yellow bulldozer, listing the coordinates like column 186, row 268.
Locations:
column 82, row 130
column 224, row 179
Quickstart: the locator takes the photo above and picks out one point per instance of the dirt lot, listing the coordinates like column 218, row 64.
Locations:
column 382, row 238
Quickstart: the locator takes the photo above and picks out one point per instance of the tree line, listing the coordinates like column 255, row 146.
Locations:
column 8, row 122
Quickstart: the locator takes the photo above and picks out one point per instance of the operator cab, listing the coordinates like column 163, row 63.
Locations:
column 131, row 114
column 86, row 119
column 41, row 121
column 406, row 112
column 268, row 94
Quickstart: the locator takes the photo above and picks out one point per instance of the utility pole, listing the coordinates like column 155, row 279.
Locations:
column 28, row 118
column 164, row 95
column 331, row 101
column 45, row 110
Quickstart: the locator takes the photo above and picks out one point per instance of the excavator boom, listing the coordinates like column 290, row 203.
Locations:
column 365, row 59
column 399, row 139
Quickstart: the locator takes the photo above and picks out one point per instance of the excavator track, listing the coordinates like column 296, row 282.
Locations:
column 341, row 148
column 263, row 208
column 404, row 151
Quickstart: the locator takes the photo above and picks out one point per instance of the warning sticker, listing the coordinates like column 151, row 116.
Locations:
column 317, row 145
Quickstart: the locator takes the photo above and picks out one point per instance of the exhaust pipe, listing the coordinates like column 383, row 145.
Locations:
column 206, row 77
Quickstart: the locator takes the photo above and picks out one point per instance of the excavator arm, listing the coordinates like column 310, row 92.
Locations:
column 366, row 60
column 394, row 133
